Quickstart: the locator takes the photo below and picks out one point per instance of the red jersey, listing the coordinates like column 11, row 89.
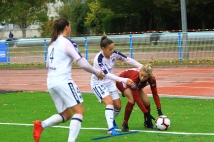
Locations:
column 133, row 74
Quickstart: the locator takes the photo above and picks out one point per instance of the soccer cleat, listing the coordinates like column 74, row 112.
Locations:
column 145, row 125
column 115, row 125
column 125, row 128
column 37, row 130
column 113, row 132
column 153, row 126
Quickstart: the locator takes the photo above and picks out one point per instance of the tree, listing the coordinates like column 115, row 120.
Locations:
column 137, row 15
column 169, row 13
column 46, row 28
column 94, row 17
column 76, row 12
column 202, row 10
column 23, row 12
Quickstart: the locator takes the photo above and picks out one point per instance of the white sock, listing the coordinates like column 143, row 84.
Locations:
column 109, row 115
column 53, row 120
column 116, row 112
column 74, row 127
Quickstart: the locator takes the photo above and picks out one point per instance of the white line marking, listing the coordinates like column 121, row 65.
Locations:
column 182, row 96
column 169, row 96
column 185, row 87
column 163, row 132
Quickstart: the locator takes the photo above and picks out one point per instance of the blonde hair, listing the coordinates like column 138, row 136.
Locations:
column 147, row 68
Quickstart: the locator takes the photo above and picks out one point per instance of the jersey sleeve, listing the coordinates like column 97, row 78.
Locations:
column 98, row 63
column 71, row 50
column 123, row 58
column 153, row 86
column 87, row 67
column 133, row 62
column 116, row 78
column 47, row 62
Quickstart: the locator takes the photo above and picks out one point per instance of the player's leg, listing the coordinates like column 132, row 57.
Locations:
column 116, row 100
column 144, row 98
column 145, row 101
column 117, row 108
column 102, row 93
column 138, row 101
column 66, row 97
column 75, row 104
column 54, row 119
column 76, row 122
column 126, row 92
column 128, row 110
column 109, row 111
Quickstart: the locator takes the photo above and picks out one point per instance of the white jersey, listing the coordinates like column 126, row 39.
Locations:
column 61, row 54
column 107, row 65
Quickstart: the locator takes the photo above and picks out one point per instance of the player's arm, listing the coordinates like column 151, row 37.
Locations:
column 138, row 101
column 47, row 62
column 82, row 62
column 119, row 79
column 123, row 58
column 153, row 86
column 112, row 76
column 133, row 62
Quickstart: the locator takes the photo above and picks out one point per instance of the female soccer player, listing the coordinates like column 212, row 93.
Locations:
column 141, row 76
column 106, row 90
column 64, row 92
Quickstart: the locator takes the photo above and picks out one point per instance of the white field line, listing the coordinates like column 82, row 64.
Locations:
column 182, row 96
column 174, row 96
column 185, row 87
column 142, row 131
column 170, row 96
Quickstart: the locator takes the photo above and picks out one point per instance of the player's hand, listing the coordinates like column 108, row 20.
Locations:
column 159, row 112
column 130, row 82
column 101, row 75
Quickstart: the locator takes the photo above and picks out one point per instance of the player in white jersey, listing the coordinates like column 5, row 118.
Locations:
column 64, row 92
column 105, row 89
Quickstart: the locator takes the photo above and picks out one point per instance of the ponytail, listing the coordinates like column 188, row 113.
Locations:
column 57, row 27
column 104, row 42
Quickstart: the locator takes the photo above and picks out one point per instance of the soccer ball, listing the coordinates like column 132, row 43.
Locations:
column 162, row 122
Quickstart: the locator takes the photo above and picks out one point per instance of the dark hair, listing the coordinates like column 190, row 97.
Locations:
column 57, row 27
column 105, row 42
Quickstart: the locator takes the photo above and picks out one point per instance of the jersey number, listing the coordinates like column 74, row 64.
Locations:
column 52, row 55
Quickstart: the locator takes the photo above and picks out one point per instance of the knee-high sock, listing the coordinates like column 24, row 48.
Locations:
column 149, row 109
column 109, row 115
column 53, row 120
column 74, row 127
column 128, row 111
column 116, row 112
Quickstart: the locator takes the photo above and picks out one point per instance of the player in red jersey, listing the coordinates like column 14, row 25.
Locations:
column 142, row 77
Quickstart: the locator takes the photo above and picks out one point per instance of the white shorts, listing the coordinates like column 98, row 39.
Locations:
column 65, row 96
column 103, row 90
